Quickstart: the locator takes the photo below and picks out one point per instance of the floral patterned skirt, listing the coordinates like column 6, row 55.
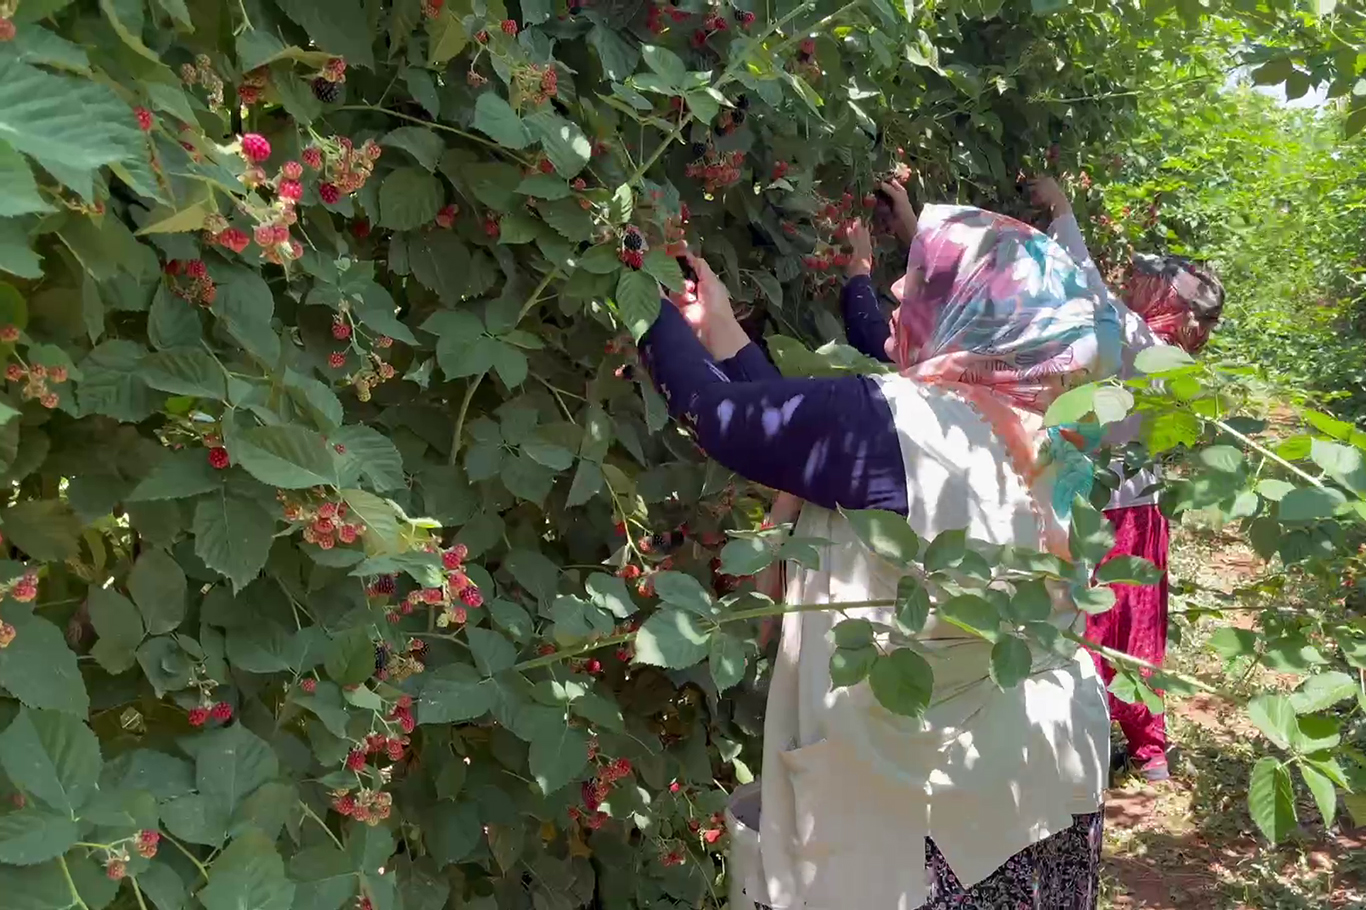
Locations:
column 1061, row 872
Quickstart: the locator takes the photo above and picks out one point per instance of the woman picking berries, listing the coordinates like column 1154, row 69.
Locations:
column 1001, row 789
column 1174, row 301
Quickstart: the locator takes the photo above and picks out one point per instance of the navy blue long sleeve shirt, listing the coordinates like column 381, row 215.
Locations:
column 830, row 441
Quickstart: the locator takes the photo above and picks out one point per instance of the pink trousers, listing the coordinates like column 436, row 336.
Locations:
column 1137, row 625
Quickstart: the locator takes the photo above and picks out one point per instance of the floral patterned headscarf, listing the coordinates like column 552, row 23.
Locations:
column 1003, row 313
column 990, row 302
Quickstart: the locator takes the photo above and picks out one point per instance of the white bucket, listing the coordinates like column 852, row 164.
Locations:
column 744, row 866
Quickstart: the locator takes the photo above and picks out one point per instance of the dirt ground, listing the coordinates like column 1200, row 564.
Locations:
column 1189, row 844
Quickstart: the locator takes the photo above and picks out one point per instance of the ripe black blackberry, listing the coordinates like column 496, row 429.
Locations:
column 742, row 102
column 326, row 92
column 658, row 541
column 699, row 149
column 633, row 240
column 381, row 658
column 737, row 117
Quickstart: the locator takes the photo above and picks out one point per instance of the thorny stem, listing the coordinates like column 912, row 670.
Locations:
column 308, row 811
column 70, row 883
column 432, row 124
column 779, row 609
column 1267, row 453
column 190, row 856
column 460, row 417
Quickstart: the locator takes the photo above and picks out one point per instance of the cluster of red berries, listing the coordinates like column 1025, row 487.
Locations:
column 402, row 714
column 146, row 844
column 536, row 83
column 345, row 167
column 221, row 712
column 23, row 589
column 376, row 744
column 432, row 8
column 395, row 666
column 715, row 22
column 674, row 856
column 35, row 378
column 654, row 17
column 714, row 830
column 189, row 280
column 144, row 117
column 445, row 216
column 716, row 170
column 253, row 84
column 805, row 63
column 595, row 791
column 455, row 596
column 368, row 806
column 324, row 523
column 491, row 225
column 633, row 248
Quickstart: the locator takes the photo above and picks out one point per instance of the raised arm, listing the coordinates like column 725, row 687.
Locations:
column 864, row 322
column 828, row 441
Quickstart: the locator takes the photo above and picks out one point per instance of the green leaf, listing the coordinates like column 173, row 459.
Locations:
column 1274, row 715
column 1345, row 464
column 681, row 590
column 496, row 119
column 1128, row 570
column 902, row 682
column 290, row 457
column 672, row 638
column 423, row 144
column 1162, row 358
column 1323, row 691
column 563, row 141
column 912, row 604
column 18, row 189
column 1324, row 793
column 1093, row 601
column 249, row 874
column 45, row 529
column 339, row 27
column 887, row 534
column 1271, row 799
column 34, row 835
column 71, row 126
column 945, row 551
column 1092, row 536
column 409, row 198
column 617, row 56
column 1010, row 661
column 972, row 614
column 746, row 556
column 369, row 453
column 244, row 307
column 1071, row 406
column 665, row 63
column 178, row 475
column 52, row 756
column 448, row 38
column 1225, row 459
column 1310, row 504
column 492, row 652
column 1229, row 643
column 184, row 372
column 664, row 268
column 232, row 536
column 638, row 301
column 559, row 753
column 494, row 184
column 849, row 667
column 119, row 628
column 608, row 592
column 726, row 660
column 39, row 669
column 351, row 657
column 452, row 694
column 158, row 586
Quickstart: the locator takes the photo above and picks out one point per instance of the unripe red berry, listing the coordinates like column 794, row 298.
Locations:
column 197, row 716
column 341, row 329
column 222, row 712
column 472, row 596
column 292, row 190
column 509, row 27
column 218, row 457
column 336, row 360
column 309, row 685
column 329, row 193
column 355, row 760
column 144, row 119
column 234, row 239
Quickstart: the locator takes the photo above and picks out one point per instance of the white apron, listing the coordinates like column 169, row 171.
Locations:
column 850, row 790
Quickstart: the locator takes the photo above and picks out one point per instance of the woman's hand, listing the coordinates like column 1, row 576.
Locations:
column 861, row 259
column 1045, row 193
column 705, row 304
column 906, row 222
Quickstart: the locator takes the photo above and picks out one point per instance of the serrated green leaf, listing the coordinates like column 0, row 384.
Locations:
column 248, row 875
column 119, row 627
column 492, row 652
column 1271, row 799
column 52, row 756
column 232, row 536
column 902, row 682
column 1010, row 661
column 885, row 533
column 638, row 301
column 563, row 141
column 409, row 198
column 288, row 457
column 672, row 638
column 726, row 660
column 558, row 754
column 368, row 453
column 495, row 118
